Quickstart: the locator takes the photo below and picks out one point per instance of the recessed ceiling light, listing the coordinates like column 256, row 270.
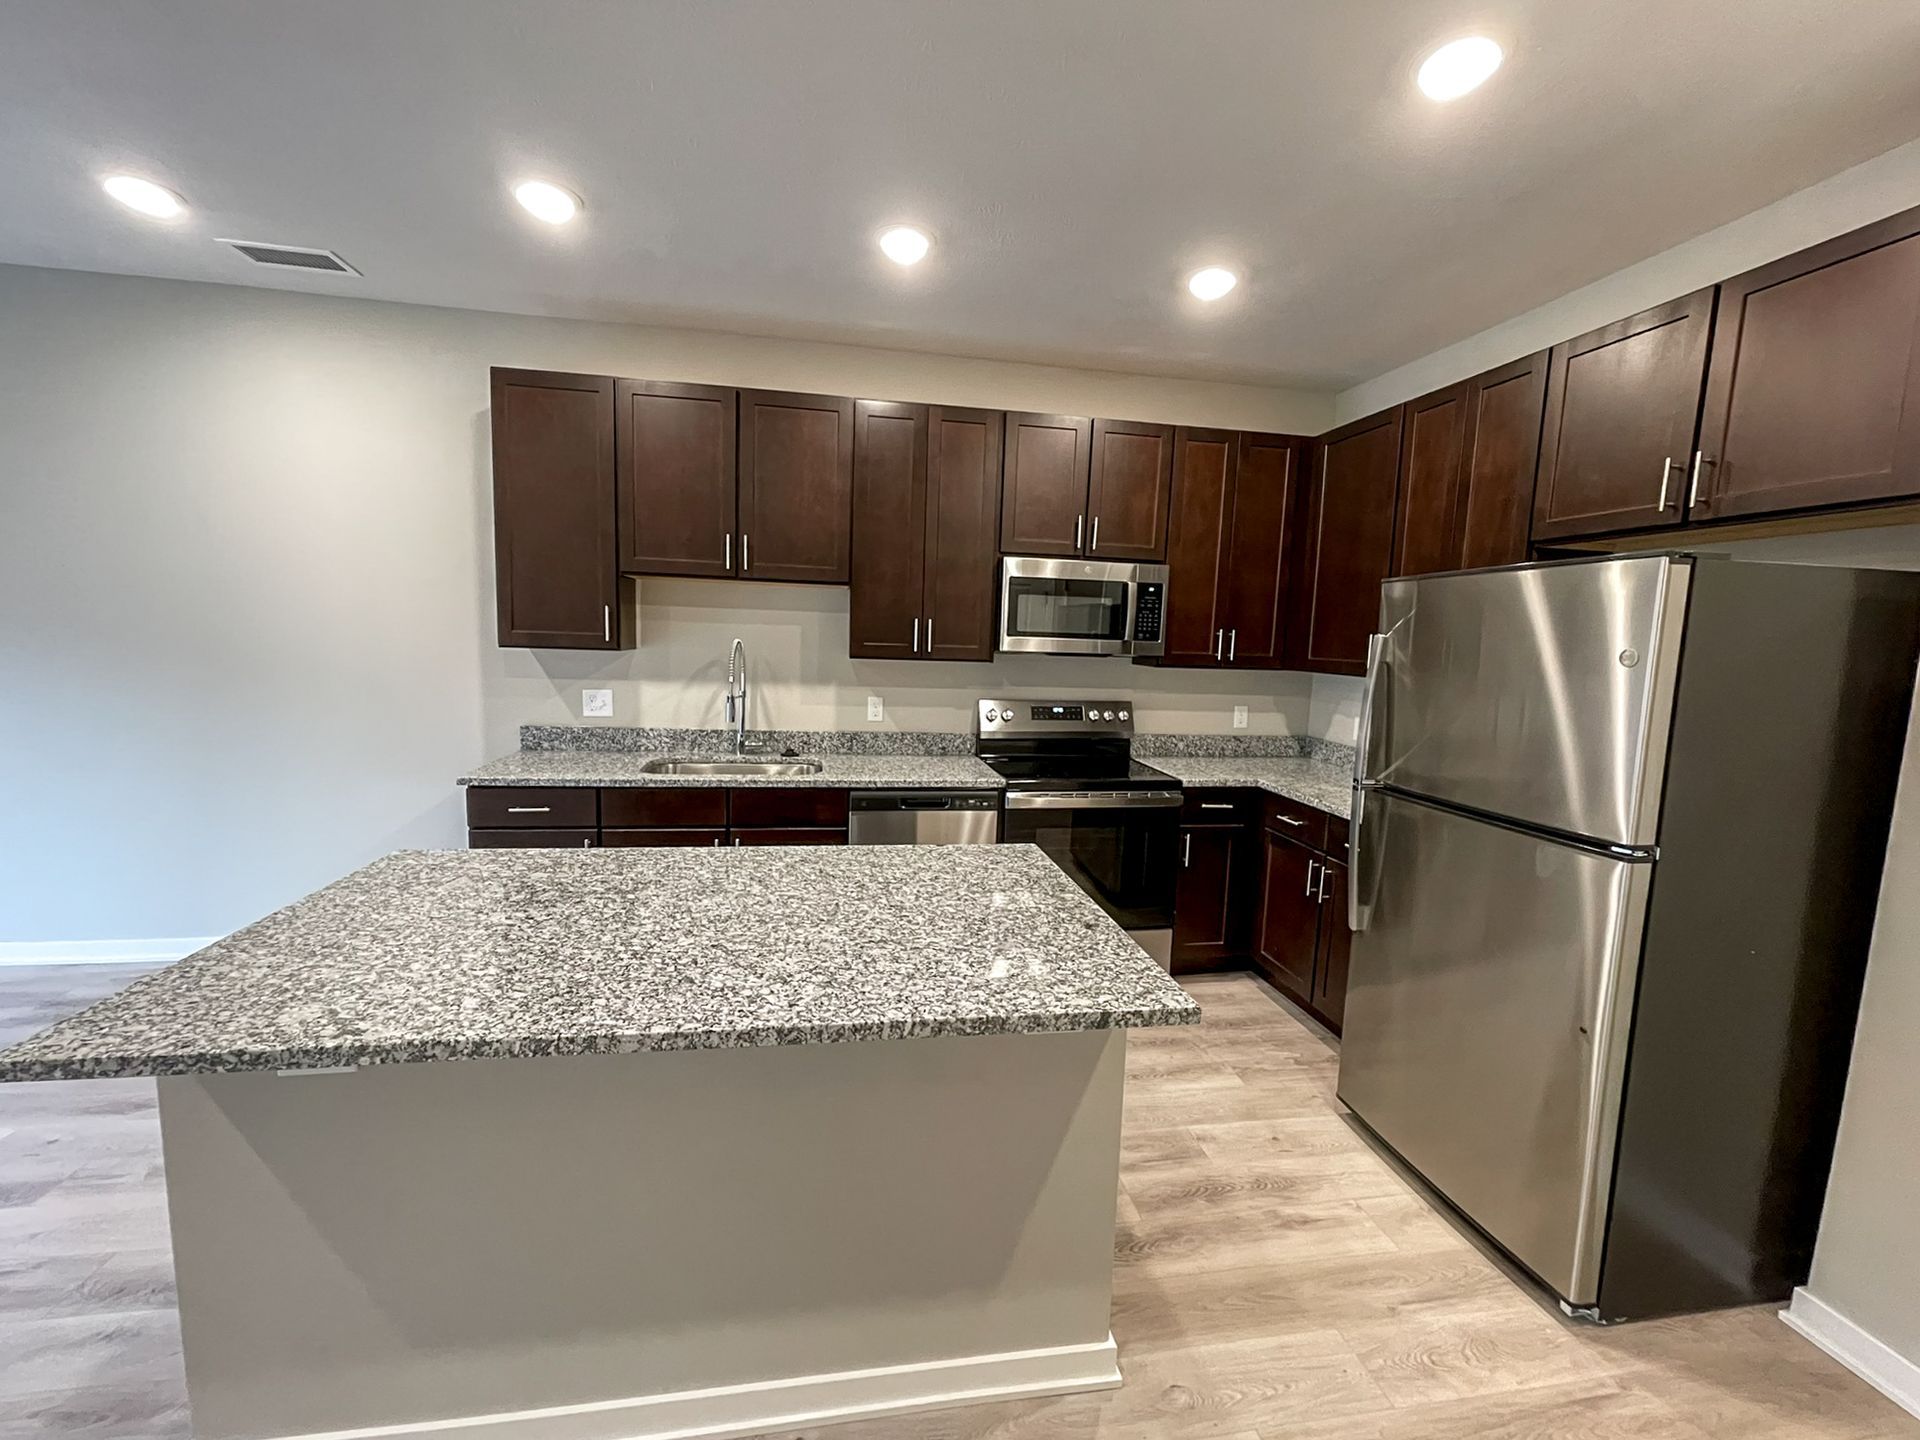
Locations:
column 905, row 245
column 1211, row 283
column 144, row 196
column 1459, row 66
column 548, row 202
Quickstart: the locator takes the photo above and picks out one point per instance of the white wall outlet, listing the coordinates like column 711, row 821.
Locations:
column 874, row 707
column 1239, row 717
column 596, row 704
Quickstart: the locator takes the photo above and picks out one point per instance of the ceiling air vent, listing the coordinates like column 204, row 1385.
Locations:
column 292, row 257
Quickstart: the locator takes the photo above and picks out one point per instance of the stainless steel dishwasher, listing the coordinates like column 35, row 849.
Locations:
column 923, row 817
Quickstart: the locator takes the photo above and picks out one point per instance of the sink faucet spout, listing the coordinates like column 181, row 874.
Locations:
column 737, row 694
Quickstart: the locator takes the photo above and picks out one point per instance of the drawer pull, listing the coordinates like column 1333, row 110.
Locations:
column 1216, row 805
column 529, row 809
column 1289, row 820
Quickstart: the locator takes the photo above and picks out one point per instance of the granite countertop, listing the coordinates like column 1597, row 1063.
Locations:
column 1324, row 784
column 613, row 768
column 462, row 954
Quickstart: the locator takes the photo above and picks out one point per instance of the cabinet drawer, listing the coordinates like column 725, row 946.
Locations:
column 1296, row 821
column 1219, row 807
column 536, row 807
column 661, row 836
column 1337, row 838
column 771, row 807
column 532, row 839
column 790, row 836
column 629, row 807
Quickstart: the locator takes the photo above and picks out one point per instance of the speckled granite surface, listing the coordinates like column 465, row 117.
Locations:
column 1152, row 747
column 1323, row 784
column 657, row 740
column 617, row 768
column 455, row 954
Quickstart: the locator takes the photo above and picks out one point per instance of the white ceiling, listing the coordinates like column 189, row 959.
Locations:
column 1074, row 158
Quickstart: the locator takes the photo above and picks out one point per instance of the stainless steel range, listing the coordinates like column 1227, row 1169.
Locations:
column 1075, row 790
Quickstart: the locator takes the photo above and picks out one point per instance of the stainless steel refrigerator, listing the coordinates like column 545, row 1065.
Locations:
column 1617, row 838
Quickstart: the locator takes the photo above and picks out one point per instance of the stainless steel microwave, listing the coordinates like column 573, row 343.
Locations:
column 1082, row 607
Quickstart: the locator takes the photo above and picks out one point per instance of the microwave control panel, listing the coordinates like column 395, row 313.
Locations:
column 1146, row 611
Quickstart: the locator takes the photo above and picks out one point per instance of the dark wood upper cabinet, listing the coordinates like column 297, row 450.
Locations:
column 1132, row 478
column 961, row 529
column 1266, row 504
column 556, row 572
column 676, row 462
column 1504, row 408
column 796, row 486
column 1623, row 403
column 1204, row 464
column 1813, row 391
column 884, row 613
column 1044, row 504
column 1433, row 434
column 1346, row 547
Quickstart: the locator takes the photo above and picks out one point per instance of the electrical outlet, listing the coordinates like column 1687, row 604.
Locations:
column 1239, row 717
column 874, row 707
column 596, row 704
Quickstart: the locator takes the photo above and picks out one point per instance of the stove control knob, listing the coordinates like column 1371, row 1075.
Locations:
column 1106, row 715
column 1006, row 714
column 1123, row 715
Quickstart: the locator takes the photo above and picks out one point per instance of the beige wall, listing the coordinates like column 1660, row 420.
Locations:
column 246, row 571
column 1844, row 202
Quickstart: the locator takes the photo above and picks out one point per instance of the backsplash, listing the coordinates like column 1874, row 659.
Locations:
column 667, row 740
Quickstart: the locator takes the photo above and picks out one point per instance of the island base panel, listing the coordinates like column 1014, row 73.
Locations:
column 583, row 1248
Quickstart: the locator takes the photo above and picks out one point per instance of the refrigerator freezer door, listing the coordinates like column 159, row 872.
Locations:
column 1486, row 1025
column 1540, row 693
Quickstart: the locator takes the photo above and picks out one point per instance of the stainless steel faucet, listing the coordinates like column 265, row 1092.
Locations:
column 737, row 694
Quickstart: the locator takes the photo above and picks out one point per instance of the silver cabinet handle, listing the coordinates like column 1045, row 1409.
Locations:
column 727, row 564
column 606, row 622
column 745, row 564
column 587, row 844
column 1078, row 522
column 1233, row 644
column 1666, row 473
column 1186, row 850
column 1320, row 890
column 1219, row 643
column 916, row 634
column 929, row 634
column 1698, row 460
column 736, row 839
column 529, row 809
column 1216, row 805
column 716, row 841
column 1289, row 820
column 1310, row 868
column 1095, row 546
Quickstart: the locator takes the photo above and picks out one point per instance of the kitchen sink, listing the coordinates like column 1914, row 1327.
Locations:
column 677, row 766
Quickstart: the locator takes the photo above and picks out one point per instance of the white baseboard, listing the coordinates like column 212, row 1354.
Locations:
column 99, row 952
column 1882, row 1367
column 732, row 1411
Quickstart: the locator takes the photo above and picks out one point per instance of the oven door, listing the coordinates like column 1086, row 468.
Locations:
column 1066, row 607
column 1121, row 849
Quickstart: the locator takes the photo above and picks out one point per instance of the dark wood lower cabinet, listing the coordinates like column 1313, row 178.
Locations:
column 661, row 838
column 1336, row 946
column 1214, row 898
column 792, row 836
column 531, row 839
column 1304, row 940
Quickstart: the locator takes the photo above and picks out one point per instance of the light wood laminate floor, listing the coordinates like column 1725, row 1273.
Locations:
column 1275, row 1278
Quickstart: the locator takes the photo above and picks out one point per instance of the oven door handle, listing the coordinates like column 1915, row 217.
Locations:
column 1097, row 800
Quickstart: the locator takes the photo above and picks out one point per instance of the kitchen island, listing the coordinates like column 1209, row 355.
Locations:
column 736, row 1140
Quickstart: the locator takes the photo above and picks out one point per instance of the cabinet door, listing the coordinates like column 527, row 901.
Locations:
column 1813, row 392
column 962, row 533
column 1132, row 478
column 790, row 836
column 1203, row 468
column 1504, row 407
column 1433, row 435
column 556, row 573
column 1289, row 916
column 676, row 454
column 532, row 839
column 884, row 616
column 1212, row 904
column 1347, row 545
column 1335, row 948
column 1622, row 405
column 1043, row 510
column 796, row 486
column 661, row 838
column 1260, row 540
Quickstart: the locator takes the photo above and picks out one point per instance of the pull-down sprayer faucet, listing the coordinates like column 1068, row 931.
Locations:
column 737, row 694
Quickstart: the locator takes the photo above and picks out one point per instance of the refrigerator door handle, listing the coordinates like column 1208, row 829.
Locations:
column 1359, row 885
column 1363, row 741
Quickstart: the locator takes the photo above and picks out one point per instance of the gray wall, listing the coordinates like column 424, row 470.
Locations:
column 246, row 573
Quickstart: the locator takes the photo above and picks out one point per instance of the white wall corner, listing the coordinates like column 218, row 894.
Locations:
column 1875, row 1362
column 100, row 952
